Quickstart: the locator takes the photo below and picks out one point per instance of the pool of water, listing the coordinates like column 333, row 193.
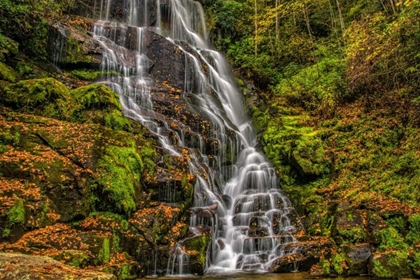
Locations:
column 256, row 276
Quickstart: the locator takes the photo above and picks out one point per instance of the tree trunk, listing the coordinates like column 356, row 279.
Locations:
column 256, row 28
column 306, row 15
column 277, row 23
column 343, row 27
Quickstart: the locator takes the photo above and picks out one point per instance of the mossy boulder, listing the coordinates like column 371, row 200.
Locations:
column 415, row 263
column 95, row 96
column 391, row 264
column 8, row 48
column 413, row 236
column 119, row 174
column 196, row 247
column 357, row 258
column 348, row 225
column 99, row 104
column 45, row 97
column 7, row 73
column 308, row 156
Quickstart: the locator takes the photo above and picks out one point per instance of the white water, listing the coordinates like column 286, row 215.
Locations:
column 247, row 213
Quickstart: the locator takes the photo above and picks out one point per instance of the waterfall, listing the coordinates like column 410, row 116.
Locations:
column 236, row 193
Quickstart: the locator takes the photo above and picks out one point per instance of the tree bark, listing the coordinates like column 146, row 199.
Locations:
column 343, row 27
column 256, row 28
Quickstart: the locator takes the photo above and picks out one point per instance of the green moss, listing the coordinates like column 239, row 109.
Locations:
column 45, row 97
column 413, row 236
column 296, row 150
column 8, row 47
column 87, row 75
column 148, row 153
column 198, row 247
column 99, row 104
column 16, row 214
column 73, row 257
column 381, row 271
column 393, row 264
column 7, row 73
column 397, row 222
column 95, row 96
column 105, row 251
column 325, row 266
column 74, row 52
column 119, row 174
column 354, row 234
column 415, row 263
column 10, row 137
column 25, row 70
column 337, row 262
column 116, row 120
column 391, row 240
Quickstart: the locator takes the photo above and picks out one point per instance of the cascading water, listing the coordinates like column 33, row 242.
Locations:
column 236, row 192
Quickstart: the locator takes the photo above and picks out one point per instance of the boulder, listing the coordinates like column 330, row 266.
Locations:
column 19, row 266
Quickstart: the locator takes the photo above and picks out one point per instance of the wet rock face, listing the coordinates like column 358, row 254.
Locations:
column 357, row 257
column 70, row 44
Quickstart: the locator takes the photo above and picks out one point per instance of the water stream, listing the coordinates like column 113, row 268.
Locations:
column 236, row 193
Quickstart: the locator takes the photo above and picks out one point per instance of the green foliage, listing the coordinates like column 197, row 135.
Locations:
column 318, row 87
column 294, row 149
column 26, row 21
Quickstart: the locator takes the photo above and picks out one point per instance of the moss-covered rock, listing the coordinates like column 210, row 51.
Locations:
column 391, row 264
column 70, row 46
column 119, row 174
column 196, row 247
column 7, row 73
column 95, row 96
column 45, row 97
column 413, row 236
column 357, row 258
column 8, row 47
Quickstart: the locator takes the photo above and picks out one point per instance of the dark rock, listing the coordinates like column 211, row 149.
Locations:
column 348, row 226
column 357, row 258
column 284, row 264
column 71, row 46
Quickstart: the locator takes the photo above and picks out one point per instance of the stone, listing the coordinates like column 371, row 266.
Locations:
column 19, row 266
column 357, row 258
